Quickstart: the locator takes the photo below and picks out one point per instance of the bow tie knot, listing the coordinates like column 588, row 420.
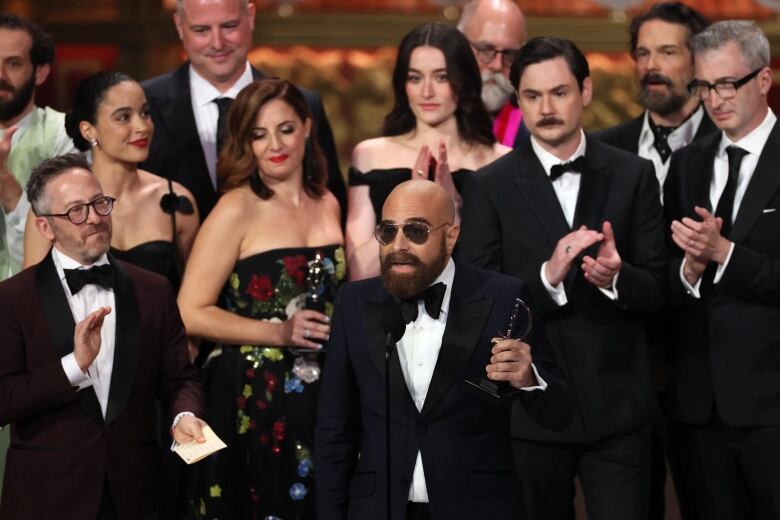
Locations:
column 432, row 297
column 575, row 166
column 102, row 275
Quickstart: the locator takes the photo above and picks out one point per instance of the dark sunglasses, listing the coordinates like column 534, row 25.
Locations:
column 415, row 232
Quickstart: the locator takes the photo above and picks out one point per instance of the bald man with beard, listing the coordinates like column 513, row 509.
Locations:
column 451, row 449
column 496, row 30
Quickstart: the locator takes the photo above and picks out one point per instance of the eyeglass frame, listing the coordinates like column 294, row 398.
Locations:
column 735, row 84
column 505, row 54
column 66, row 215
column 428, row 228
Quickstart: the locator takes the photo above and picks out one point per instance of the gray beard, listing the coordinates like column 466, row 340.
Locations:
column 495, row 94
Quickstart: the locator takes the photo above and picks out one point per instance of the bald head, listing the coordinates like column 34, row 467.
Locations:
column 499, row 20
column 421, row 199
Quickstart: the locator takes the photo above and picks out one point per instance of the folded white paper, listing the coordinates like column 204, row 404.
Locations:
column 194, row 451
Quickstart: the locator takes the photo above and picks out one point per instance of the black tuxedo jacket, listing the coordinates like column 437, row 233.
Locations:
column 511, row 222
column 62, row 449
column 176, row 152
column 464, row 440
column 626, row 135
column 727, row 349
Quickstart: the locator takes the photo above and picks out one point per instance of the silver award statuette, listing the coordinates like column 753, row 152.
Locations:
column 306, row 365
column 496, row 390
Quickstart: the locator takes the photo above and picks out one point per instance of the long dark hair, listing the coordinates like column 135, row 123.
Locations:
column 237, row 163
column 474, row 124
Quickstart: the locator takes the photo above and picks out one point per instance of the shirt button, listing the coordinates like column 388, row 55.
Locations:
column 422, row 428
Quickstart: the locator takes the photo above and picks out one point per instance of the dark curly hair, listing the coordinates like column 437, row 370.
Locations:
column 89, row 94
column 474, row 123
column 42, row 50
column 237, row 163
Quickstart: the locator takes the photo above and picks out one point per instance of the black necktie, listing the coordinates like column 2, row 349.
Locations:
column 432, row 297
column 223, row 105
column 661, row 139
column 575, row 166
column 102, row 275
column 725, row 207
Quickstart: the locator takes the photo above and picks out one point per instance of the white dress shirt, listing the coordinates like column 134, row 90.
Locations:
column 87, row 300
column 753, row 143
column 418, row 350
column 206, row 112
column 567, row 189
column 681, row 136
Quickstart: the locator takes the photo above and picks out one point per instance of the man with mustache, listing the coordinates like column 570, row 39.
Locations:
column 581, row 222
column 496, row 31
column 29, row 135
column 660, row 46
column 189, row 105
column 87, row 343
column 451, row 450
column 722, row 201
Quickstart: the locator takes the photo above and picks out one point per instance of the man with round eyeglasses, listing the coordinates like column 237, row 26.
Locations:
column 496, row 31
column 449, row 446
column 87, row 343
column 722, row 201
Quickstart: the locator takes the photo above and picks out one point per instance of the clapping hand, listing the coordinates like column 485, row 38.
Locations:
column 86, row 337
column 442, row 173
column 10, row 189
column 601, row 271
column 566, row 250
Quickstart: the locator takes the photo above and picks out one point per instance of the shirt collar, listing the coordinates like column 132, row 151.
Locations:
column 687, row 129
column 203, row 92
column 63, row 261
column 754, row 141
column 548, row 160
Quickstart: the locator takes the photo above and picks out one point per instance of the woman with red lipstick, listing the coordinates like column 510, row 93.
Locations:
column 154, row 220
column 437, row 129
column 260, row 283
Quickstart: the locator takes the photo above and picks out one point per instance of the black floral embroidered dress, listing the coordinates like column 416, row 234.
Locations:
column 263, row 399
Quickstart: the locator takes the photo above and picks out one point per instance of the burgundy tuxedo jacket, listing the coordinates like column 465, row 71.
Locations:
column 62, row 448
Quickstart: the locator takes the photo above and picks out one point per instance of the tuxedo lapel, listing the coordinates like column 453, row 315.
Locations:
column 762, row 187
column 180, row 120
column 60, row 323
column 127, row 342
column 372, row 312
column 699, row 174
column 536, row 189
column 594, row 186
column 468, row 312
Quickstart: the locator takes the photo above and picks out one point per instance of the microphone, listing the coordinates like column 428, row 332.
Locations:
column 394, row 326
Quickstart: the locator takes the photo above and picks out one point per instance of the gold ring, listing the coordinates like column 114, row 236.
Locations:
column 420, row 173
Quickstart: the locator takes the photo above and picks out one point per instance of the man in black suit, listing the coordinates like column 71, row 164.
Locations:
column 722, row 200
column 189, row 105
column 451, row 449
column 582, row 223
column 87, row 343
column 660, row 46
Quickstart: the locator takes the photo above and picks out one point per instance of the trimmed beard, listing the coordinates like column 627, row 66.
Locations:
column 19, row 100
column 496, row 90
column 658, row 102
column 409, row 285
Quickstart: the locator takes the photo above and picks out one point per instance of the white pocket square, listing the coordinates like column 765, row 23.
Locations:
column 769, row 210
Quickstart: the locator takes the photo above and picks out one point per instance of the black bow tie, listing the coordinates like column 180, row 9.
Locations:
column 102, row 275
column 432, row 297
column 575, row 166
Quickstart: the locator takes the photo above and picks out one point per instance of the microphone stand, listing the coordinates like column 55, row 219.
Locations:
column 389, row 344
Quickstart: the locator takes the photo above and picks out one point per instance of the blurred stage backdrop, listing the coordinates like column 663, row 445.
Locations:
column 345, row 49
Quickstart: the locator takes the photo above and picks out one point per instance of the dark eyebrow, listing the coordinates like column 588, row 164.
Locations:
column 121, row 109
